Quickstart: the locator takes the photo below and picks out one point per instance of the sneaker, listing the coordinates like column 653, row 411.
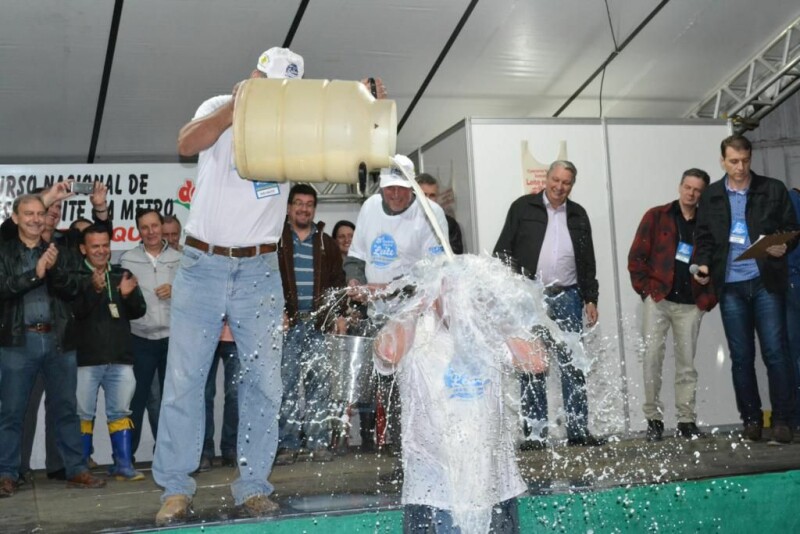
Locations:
column 286, row 457
column 781, row 434
column 655, row 430
column 174, row 509
column 752, row 432
column 586, row 441
column 321, row 455
column 8, row 487
column 689, row 431
column 260, row 506
column 85, row 480
column 229, row 461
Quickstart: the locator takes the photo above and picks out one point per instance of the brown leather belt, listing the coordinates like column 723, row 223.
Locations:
column 41, row 328
column 231, row 252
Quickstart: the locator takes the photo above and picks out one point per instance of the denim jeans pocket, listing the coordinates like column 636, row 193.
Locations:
column 190, row 257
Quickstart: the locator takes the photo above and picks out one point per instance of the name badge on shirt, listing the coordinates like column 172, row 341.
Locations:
column 266, row 189
column 738, row 233
column 113, row 310
column 684, row 252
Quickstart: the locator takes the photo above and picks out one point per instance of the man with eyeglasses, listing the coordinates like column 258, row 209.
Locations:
column 311, row 266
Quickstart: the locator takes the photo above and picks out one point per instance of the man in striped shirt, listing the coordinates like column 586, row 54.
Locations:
column 311, row 265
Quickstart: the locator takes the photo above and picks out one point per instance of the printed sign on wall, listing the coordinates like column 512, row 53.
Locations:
column 534, row 172
column 167, row 188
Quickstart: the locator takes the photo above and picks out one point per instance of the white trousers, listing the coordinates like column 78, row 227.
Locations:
column 657, row 318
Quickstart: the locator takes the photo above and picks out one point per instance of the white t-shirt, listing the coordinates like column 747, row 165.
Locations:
column 390, row 244
column 228, row 210
column 459, row 427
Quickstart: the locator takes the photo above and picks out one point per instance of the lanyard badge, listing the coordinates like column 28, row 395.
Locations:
column 684, row 252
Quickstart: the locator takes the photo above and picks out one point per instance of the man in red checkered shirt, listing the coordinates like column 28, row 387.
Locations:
column 659, row 262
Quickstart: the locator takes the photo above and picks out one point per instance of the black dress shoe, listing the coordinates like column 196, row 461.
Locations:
column 689, row 431
column 61, row 474
column 586, row 441
column 655, row 430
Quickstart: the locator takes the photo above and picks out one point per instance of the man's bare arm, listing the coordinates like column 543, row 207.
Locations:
column 201, row 133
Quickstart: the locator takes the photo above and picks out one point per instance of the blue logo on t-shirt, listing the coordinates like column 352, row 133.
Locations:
column 464, row 386
column 383, row 250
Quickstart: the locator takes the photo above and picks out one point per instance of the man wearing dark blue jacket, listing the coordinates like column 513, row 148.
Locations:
column 733, row 213
column 36, row 334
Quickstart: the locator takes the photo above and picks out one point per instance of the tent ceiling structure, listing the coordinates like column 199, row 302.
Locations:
column 511, row 58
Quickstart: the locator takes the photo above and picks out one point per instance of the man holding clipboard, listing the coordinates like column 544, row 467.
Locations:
column 733, row 213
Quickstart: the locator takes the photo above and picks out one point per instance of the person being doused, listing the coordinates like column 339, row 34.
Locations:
column 455, row 344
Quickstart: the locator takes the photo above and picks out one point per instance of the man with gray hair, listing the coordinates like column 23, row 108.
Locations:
column 37, row 283
column 548, row 237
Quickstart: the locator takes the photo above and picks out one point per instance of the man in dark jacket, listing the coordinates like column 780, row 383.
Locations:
column 36, row 335
column 658, row 262
column 109, row 299
column 549, row 237
column 69, row 240
column 733, row 213
column 311, row 265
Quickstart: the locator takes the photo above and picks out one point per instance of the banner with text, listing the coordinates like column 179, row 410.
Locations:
column 166, row 187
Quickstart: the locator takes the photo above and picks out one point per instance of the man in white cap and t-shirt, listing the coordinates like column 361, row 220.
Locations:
column 229, row 271
column 392, row 233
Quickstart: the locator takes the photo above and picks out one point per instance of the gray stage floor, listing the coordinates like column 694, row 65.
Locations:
column 364, row 481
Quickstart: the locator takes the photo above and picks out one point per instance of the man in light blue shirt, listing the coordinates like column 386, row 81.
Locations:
column 732, row 214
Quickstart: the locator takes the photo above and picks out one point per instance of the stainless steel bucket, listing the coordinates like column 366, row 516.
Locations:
column 351, row 368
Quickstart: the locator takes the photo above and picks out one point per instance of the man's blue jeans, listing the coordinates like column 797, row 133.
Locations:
column 566, row 309
column 150, row 357
column 207, row 289
column 747, row 307
column 52, row 460
column 793, row 331
column 118, row 384
column 306, row 361
column 226, row 351
column 18, row 369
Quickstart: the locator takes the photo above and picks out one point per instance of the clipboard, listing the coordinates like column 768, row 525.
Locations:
column 758, row 250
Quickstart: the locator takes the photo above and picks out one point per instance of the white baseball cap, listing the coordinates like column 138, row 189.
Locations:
column 391, row 176
column 281, row 63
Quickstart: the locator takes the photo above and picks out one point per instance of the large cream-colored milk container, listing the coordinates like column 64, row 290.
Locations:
column 311, row 130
